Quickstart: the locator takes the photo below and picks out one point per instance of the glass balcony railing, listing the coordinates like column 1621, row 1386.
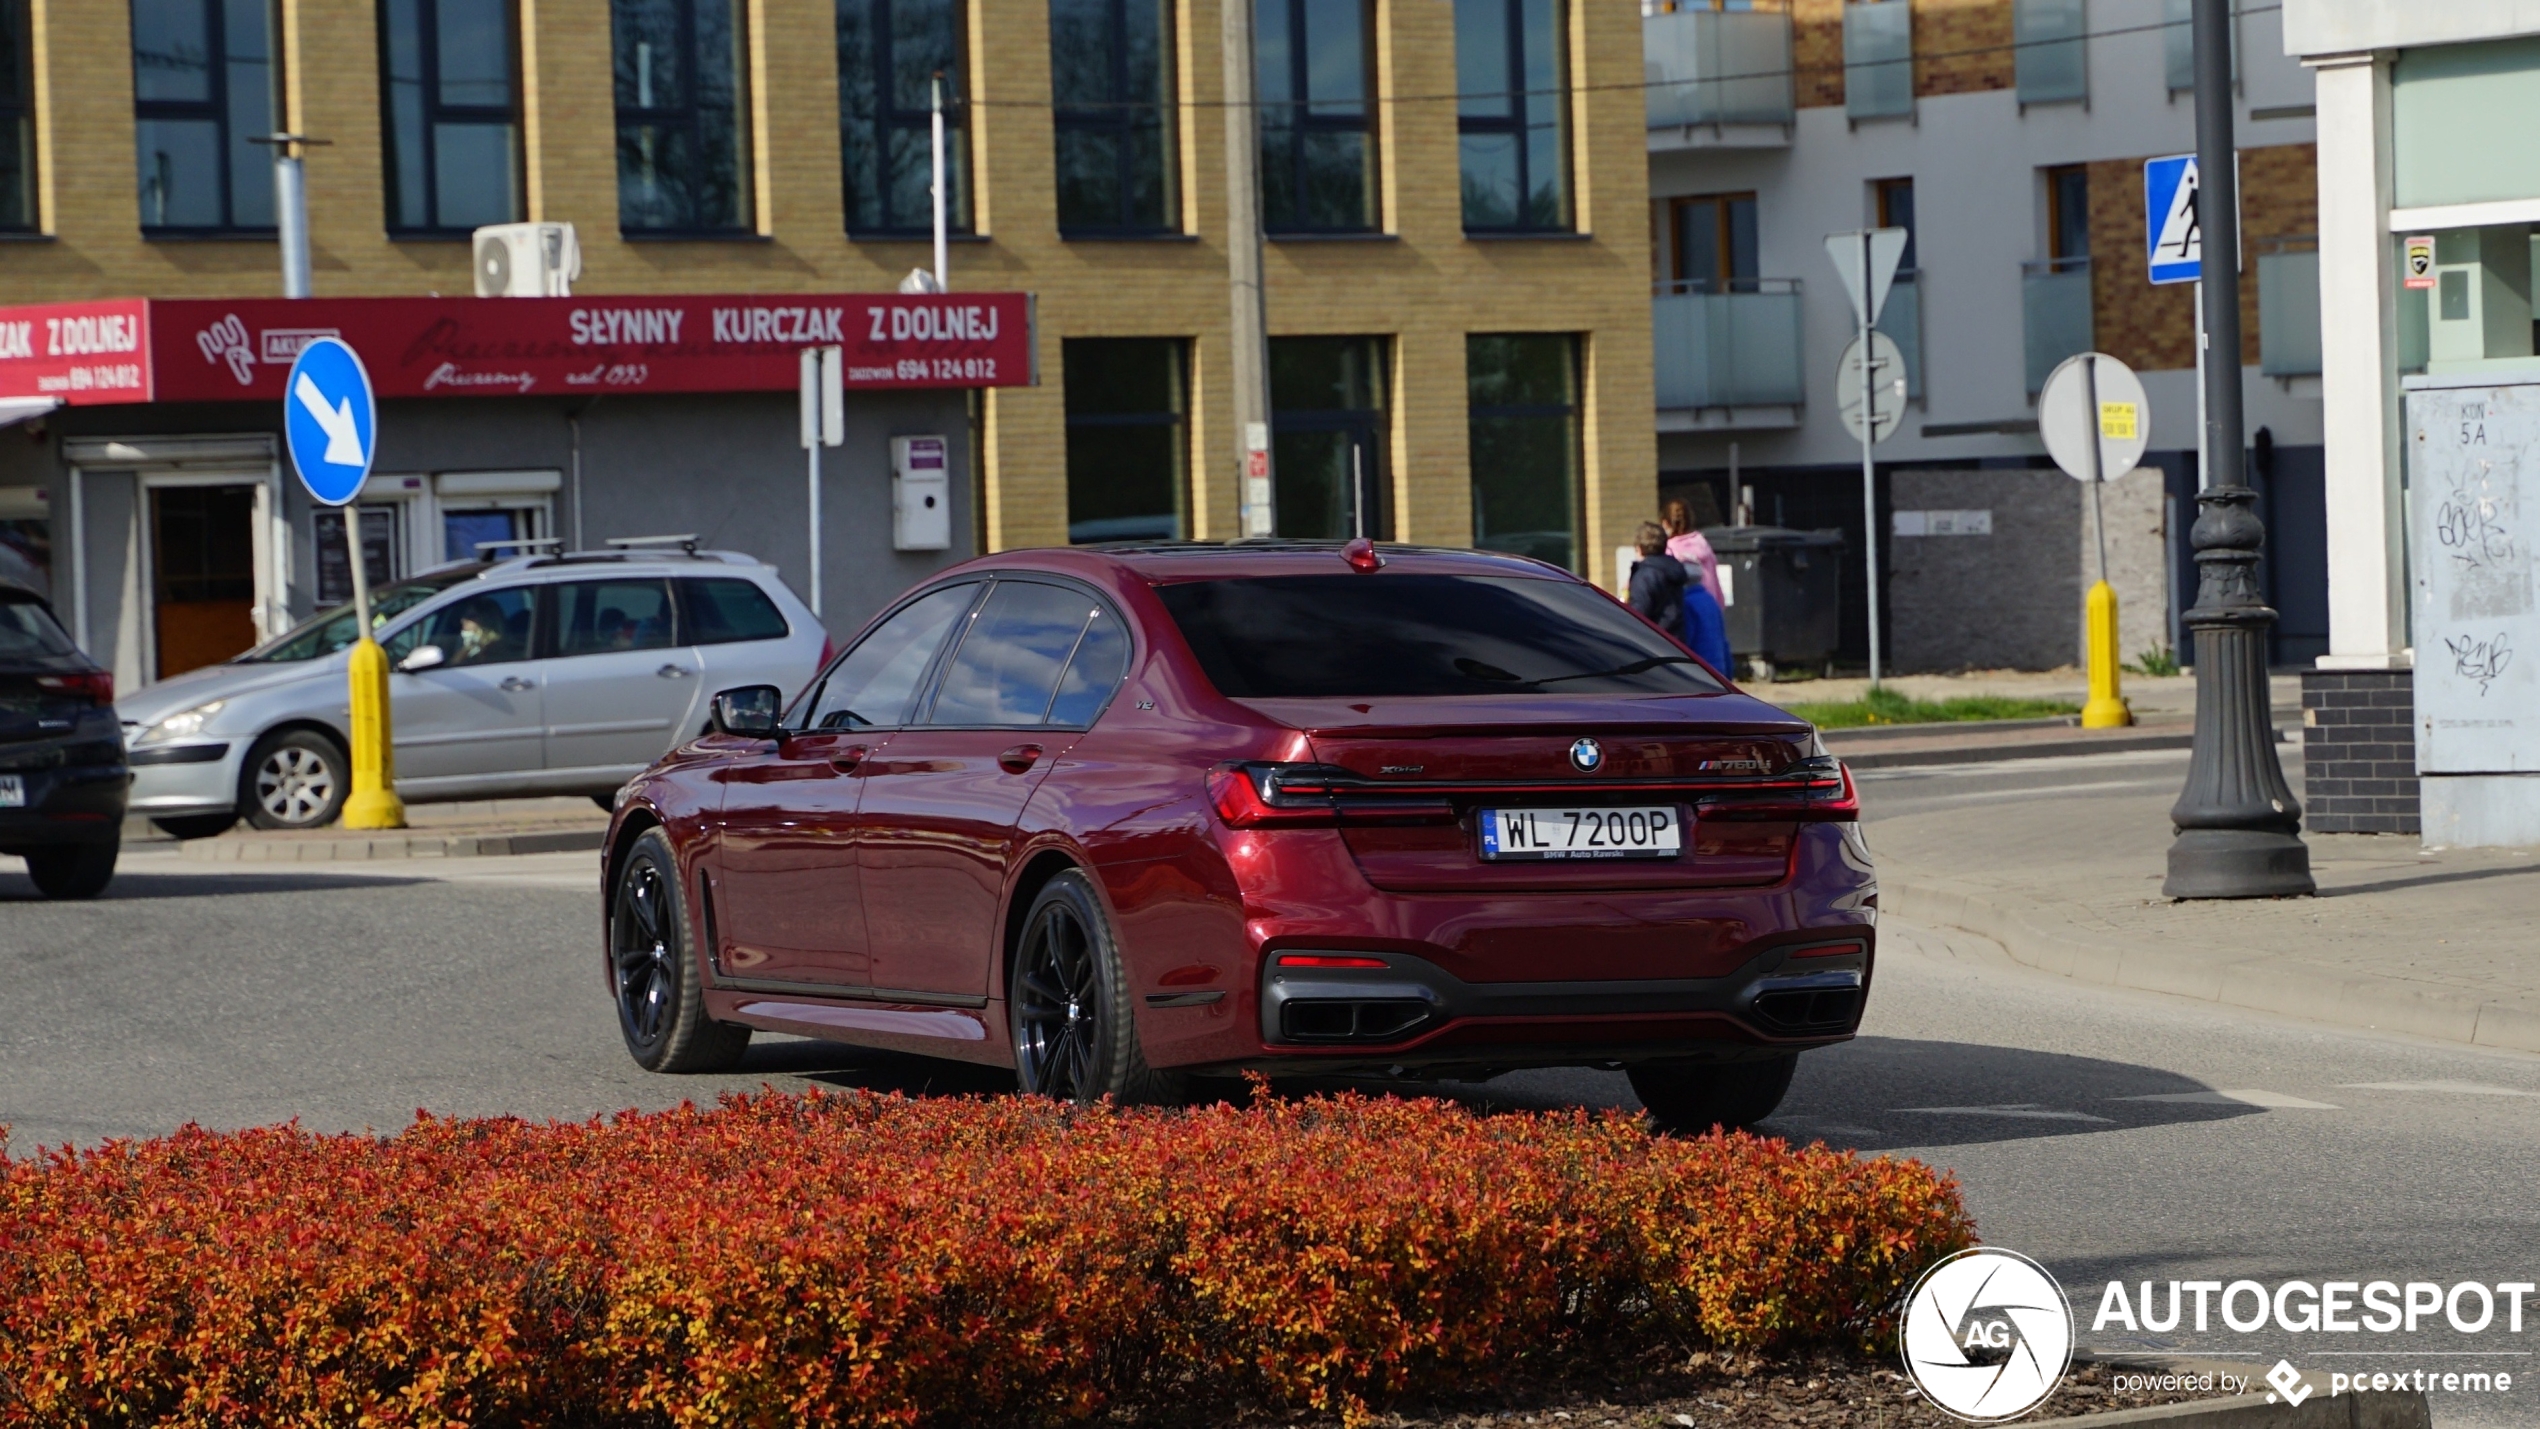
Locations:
column 2289, row 312
column 2054, row 314
column 1737, row 349
column 2052, row 62
column 1902, row 320
column 1878, row 59
column 1718, row 67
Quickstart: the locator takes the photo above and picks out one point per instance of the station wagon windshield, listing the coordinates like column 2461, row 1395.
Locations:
column 324, row 634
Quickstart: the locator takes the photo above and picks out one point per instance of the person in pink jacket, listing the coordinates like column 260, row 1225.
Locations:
column 1688, row 546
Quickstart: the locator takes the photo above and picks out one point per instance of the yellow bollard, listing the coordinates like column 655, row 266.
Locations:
column 2106, row 709
column 373, row 804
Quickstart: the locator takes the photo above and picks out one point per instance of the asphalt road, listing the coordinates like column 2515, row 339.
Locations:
column 2110, row 1135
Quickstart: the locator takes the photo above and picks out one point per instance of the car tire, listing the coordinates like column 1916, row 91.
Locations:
column 1693, row 1097
column 661, row 1006
column 294, row 779
column 197, row 826
column 1069, row 1008
column 77, row 871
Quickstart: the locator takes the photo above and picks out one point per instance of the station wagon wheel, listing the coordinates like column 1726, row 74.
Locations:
column 1074, row 1037
column 660, row 1006
column 294, row 779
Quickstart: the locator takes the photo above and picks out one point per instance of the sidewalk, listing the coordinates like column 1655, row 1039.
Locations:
column 483, row 828
column 2164, row 715
column 2436, row 944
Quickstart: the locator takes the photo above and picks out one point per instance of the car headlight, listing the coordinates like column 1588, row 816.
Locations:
column 184, row 724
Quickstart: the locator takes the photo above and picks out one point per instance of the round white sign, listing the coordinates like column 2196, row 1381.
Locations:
column 1988, row 1335
column 1887, row 386
column 2122, row 420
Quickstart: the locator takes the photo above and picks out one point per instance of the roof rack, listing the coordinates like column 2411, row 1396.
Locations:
column 531, row 544
column 686, row 542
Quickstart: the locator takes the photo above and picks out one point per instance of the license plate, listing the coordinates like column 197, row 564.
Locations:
column 1545, row 834
column 12, row 791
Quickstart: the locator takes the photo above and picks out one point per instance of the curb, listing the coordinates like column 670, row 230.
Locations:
column 1987, row 753
column 2264, row 982
column 251, row 849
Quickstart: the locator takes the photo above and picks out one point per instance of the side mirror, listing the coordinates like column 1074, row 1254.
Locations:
column 422, row 657
column 750, row 711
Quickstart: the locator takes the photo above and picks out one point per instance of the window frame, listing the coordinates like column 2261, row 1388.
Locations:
column 17, row 118
column 1883, row 194
column 2060, row 223
column 1119, row 118
column 923, row 692
column 1572, row 412
column 214, row 108
column 1178, row 419
column 931, row 687
column 552, row 632
column 1724, row 236
column 689, row 116
column 418, row 623
column 435, row 114
column 1514, row 123
column 1303, row 122
column 683, row 592
column 887, row 118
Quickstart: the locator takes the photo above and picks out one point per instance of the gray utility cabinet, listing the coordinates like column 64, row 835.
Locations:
column 1783, row 593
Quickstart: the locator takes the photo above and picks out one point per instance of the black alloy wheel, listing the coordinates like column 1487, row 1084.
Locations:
column 1694, row 1097
column 1074, row 1036
column 660, row 1006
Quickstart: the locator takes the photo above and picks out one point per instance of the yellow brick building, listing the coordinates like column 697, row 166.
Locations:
column 98, row 90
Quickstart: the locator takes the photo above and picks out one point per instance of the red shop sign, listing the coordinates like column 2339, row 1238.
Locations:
column 213, row 350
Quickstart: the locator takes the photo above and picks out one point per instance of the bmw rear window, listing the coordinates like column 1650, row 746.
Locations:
column 1391, row 636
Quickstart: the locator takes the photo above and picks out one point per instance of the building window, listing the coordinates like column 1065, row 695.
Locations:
column 1512, row 73
column 1327, row 437
column 203, row 91
column 1318, row 140
column 2068, row 215
column 449, row 71
column 1128, row 452
column 1896, row 210
column 1523, row 410
column 1111, row 78
column 683, row 144
column 889, row 53
column 17, row 118
column 1713, row 244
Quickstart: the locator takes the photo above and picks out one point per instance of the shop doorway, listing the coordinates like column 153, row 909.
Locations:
column 203, row 574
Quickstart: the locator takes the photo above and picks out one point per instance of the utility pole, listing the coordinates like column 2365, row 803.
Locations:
column 2238, row 823
column 291, row 208
column 1250, row 332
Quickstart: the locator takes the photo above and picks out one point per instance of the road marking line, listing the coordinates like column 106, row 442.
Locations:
column 2461, row 1089
column 2247, row 1096
column 2022, row 1111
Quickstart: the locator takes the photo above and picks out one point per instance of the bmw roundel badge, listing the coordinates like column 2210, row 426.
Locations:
column 1587, row 756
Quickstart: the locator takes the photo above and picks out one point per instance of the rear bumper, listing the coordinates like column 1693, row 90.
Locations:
column 83, row 804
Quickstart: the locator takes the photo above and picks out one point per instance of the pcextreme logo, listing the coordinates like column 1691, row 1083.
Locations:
column 1987, row 1335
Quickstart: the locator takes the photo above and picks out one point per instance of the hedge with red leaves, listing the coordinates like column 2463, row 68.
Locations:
column 866, row 1260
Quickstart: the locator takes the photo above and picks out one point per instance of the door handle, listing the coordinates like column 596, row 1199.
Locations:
column 517, row 685
column 673, row 672
column 848, row 758
column 1020, row 758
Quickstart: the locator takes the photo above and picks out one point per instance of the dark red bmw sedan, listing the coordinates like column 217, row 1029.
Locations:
column 1118, row 816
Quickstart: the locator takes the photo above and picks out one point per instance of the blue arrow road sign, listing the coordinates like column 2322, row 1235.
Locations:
column 2176, row 245
column 330, row 420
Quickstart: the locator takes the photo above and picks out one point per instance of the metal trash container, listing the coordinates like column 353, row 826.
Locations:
column 1782, row 589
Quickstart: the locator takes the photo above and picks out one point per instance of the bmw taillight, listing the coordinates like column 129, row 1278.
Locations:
column 95, row 686
column 1264, row 795
column 1817, row 789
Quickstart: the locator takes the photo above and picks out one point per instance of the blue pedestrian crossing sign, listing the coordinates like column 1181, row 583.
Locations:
column 2177, row 248
column 330, row 420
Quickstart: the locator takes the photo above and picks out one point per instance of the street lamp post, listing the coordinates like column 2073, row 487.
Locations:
column 2237, row 820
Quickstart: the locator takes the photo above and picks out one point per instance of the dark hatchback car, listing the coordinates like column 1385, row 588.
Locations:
column 1119, row 816
column 63, row 780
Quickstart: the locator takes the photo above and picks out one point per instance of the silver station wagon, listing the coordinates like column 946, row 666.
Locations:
column 536, row 675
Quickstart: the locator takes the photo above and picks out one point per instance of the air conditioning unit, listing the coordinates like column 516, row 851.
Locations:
column 527, row 260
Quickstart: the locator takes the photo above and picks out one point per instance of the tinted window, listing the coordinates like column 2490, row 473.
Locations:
column 1102, row 657
column 1361, row 637
column 596, row 617
column 26, row 629
column 332, row 631
column 1007, row 667
column 718, row 612
column 874, row 685
column 489, row 629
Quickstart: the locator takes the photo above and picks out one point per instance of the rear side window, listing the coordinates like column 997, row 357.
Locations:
column 1101, row 658
column 1006, row 670
column 723, row 611
column 1390, row 636
column 27, row 630
column 596, row 617
column 877, row 681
